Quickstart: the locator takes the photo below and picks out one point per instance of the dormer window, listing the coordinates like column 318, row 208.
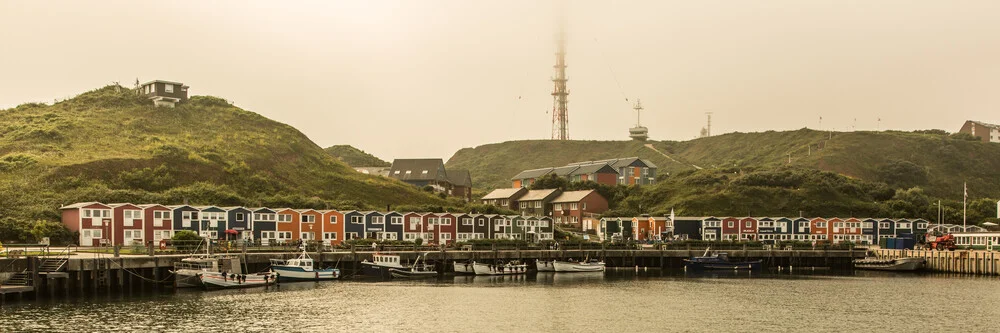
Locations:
column 423, row 173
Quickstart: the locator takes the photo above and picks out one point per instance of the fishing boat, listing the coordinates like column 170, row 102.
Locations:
column 578, row 266
column 301, row 269
column 545, row 266
column 719, row 261
column 510, row 268
column 223, row 280
column 187, row 271
column 464, row 268
column 898, row 264
column 420, row 269
column 380, row 264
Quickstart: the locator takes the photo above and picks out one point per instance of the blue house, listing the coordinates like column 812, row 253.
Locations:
column 869, row 230
column 185, row 218
column 393, row 225
column 238, row 218
column 765, row 230
column 212, row 222
column 783, row 228
column 711, row 228
column 688, row 227
column 886, row 228
column 263, row 223
column 801, row 229
column 374, row 225
column 354, row 224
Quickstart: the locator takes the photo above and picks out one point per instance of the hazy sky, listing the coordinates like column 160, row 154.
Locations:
column 424, row 78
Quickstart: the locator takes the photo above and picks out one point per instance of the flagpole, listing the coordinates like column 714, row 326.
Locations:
column 965, row 199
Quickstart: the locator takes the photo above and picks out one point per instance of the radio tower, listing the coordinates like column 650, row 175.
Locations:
column 560, row 110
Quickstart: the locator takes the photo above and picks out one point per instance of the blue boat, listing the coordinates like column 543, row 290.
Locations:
column 301, row 269
column 719, row 261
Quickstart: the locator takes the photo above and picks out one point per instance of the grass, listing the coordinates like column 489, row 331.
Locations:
column 112, row 146
column 355, row 157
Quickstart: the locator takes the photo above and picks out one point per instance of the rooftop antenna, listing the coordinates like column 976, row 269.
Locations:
column 708, row 129
column 560, row 109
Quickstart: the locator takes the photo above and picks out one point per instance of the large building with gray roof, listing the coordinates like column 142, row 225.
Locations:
column 623, row 171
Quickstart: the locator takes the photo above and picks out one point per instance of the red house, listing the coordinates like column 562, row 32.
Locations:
column 571, row 207
column 127, row 220
column 157, row 222
column 442, row 225
column 730, row 228
column 91, row 219
column 748, row 229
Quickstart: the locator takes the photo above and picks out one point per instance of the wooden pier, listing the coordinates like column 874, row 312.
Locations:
column 963, row 262
column 124, row 275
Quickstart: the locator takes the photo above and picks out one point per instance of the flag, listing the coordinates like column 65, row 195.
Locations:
column 965, row 191
column 671, row 215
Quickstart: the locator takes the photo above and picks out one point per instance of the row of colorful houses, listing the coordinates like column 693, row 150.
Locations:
column 126, row 224
column 765, row 229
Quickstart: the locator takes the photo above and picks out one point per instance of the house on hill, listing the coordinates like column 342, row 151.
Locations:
column 624, row 171
column 164, row 93
column 571, row 207
column 504, row 197
column 984, row 131
column 422, row 172
column 461, row 181
column 537, row 202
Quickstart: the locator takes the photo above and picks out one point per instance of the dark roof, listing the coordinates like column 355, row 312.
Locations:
column 506, row 193
column 565, row 171
column 985, row 124
column 533, row 195
column 594, row 168
column 534, row 173
column 434, row 168
column 460, row 177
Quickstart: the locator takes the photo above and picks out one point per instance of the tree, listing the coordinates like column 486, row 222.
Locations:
column 550, row 182
column 902, row 174
column 186, row 240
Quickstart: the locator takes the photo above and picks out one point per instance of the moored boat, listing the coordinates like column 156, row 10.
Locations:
column 464, row 268
column 898, row 264
column 380, row 264
column 545, row 266
column 219, row 280
column 510, row 268
column 187, row 272
column 418, row 270
column 578, row 266
column 301, row 269
column 719, row 261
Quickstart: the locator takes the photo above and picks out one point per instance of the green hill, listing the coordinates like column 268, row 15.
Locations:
column 355, row 157
column 112, row 146
column 850, row 173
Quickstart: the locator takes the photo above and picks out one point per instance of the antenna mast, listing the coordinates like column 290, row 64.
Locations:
column 708, row 128
column 560, row 110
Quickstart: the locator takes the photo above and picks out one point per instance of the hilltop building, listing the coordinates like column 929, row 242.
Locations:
column 986, row 132
column 624, row 171
column 639, row 132
column 164, row 93
column 431, row 172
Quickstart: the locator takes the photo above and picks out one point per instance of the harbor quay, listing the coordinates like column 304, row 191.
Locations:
column 95, row 274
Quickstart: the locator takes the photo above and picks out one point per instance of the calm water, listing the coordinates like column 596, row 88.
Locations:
column 548, row 302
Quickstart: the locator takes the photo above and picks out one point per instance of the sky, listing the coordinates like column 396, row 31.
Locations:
column 413, row 79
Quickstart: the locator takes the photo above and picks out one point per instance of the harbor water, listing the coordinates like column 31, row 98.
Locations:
column 547, row 302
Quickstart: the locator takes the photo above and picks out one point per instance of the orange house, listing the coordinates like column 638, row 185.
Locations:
column 309, row 227
column 288, row 225
column 819, row 229
column 332, row 227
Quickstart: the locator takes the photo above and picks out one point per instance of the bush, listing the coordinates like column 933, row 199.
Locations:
column 186, row 240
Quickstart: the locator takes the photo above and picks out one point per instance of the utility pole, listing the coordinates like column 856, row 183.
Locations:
column 708, row 129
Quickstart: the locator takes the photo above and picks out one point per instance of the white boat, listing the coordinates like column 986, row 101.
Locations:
column 380, row 264
column 187, row 271
column 510, row 268
column 217, row 280
column 464, row 268
column 898, row 264
column 545, row 266
column 301, row 269
column 578, row 266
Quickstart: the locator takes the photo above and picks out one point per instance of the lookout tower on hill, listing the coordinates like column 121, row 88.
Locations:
column 639, row 132
column 164, row 93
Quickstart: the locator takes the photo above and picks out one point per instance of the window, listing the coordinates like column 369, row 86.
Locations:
column 446, row 221
column 446, row 236
column 356, row 219
column 284, row 217
column 423, row 173
column 168, row 88
column 330, row 235
column 432, row 221
column 731, row 224
column 396, row 173
column 523, row 204
column 466, row 221
column 482, row 222
column 308, row 218
column 867, row 225
column 414, row 223
column 407, row 172
column 350, row 235
column 194, row 215
column 333, row 219
column 584, row 205
column 922, row 226
column 396, row 220
column 821, row 224
column 378, row 220
column 572, row 206
column 746, row 224
column 240, row 217
column 538, row 204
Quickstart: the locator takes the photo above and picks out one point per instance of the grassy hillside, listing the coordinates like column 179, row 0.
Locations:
column 355, row 157
column 109, row 145
column 937, row 162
